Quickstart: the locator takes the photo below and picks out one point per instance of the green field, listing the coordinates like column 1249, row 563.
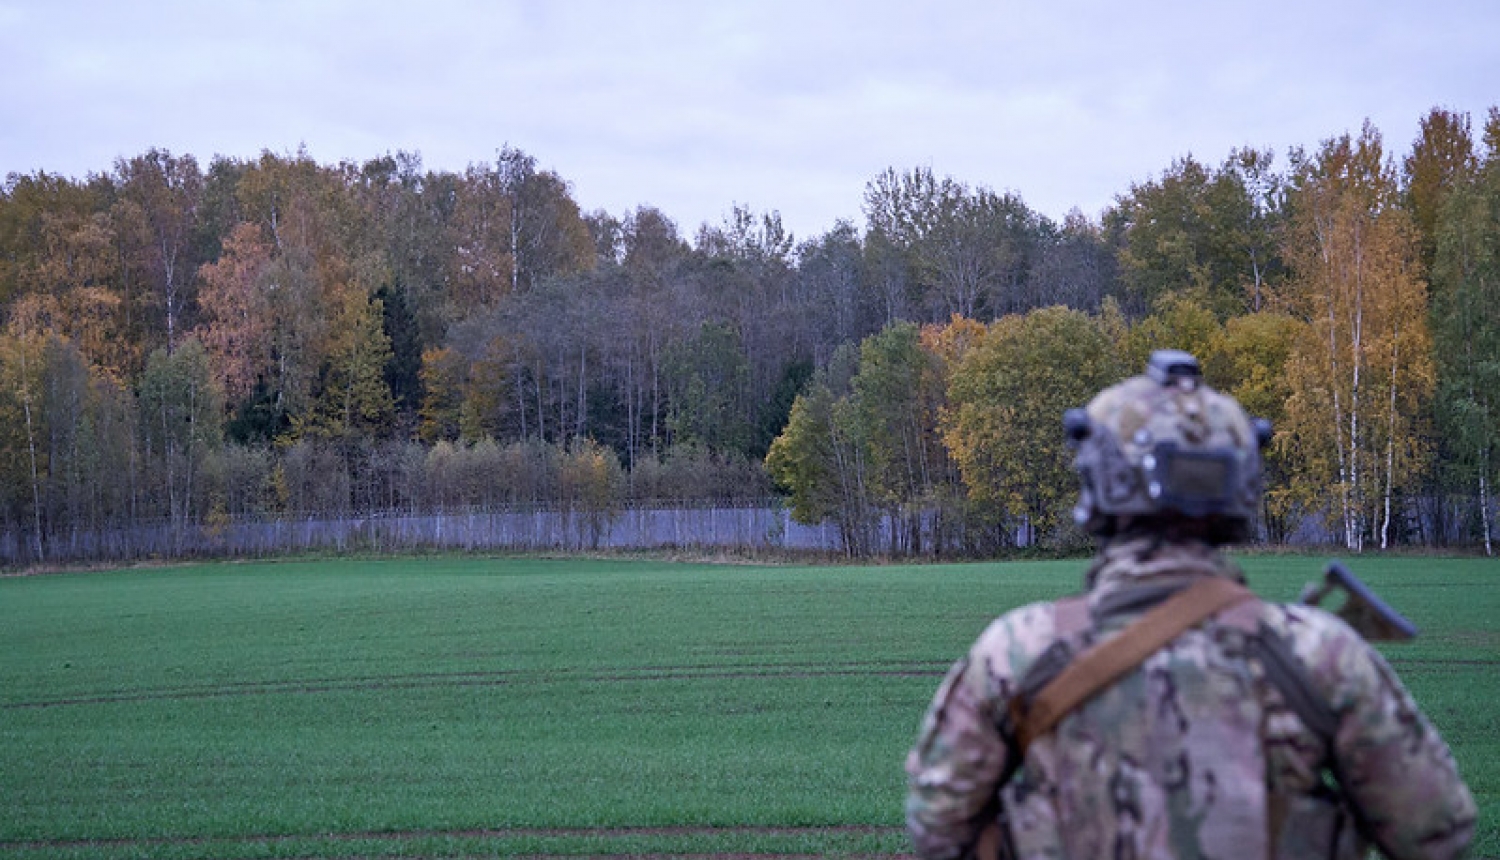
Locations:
column 472, row 707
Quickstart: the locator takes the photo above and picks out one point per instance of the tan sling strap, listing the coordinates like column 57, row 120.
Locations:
column 1107, row 661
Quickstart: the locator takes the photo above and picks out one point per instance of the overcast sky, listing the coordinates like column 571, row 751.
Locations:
column 696, row 106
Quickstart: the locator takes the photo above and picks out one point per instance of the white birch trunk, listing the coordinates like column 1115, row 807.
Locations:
column 632, row 416
column 583, row 385
column 1390, row 442
column 515, row 246
column 520, row 387
column 1255, row 271
column 1356, row 363
column 169, row 267
column 1341, row 456
column 36, row 491
column 541, row 404
column 1484, row 505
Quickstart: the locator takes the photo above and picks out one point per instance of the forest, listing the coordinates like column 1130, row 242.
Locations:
column 277, row 338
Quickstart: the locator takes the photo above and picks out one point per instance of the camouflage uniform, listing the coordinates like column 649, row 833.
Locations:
column 1205, row 749
column 1195, row 753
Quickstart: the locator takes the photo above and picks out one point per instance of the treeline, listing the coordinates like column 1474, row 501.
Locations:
column 277, row 337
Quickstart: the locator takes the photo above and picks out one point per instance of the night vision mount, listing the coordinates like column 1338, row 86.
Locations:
column 1173, row 366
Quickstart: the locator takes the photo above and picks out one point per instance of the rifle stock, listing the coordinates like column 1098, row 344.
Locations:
column 1363, row 609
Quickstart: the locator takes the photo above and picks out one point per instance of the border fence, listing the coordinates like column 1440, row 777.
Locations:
column 764, row 527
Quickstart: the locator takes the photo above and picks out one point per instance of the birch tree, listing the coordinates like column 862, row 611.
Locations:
column 162, row 192
column 650, row 315
column 181, row 419
column 1250, row 174
column 1362, row 374
column 23, row 466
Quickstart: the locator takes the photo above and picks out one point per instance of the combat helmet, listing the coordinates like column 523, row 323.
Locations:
column 1165, row 451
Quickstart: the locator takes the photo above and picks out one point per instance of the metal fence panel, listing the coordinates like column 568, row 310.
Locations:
column 768, row 527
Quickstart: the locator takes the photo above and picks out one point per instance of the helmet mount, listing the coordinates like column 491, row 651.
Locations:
column 1174, row 367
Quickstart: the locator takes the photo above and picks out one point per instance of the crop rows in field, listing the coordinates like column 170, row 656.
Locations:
column 499, row 678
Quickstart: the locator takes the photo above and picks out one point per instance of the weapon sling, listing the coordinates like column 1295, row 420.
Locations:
column 1105, row 662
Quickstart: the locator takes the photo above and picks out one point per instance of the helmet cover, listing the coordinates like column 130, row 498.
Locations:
column 1164, row 447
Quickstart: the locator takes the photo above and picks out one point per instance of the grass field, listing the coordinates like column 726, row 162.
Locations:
column 472, row 707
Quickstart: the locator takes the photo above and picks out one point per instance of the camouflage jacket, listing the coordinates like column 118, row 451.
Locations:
column 1196, row 753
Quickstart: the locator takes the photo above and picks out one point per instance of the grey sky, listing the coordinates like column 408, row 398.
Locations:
column 694, row 107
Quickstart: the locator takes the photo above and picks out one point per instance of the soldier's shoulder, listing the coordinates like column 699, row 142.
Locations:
column 1335, row 657
column 1015, row 639
column 1309, row 628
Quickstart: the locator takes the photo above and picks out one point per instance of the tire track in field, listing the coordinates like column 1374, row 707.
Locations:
column 225, row 844
column 496, row 678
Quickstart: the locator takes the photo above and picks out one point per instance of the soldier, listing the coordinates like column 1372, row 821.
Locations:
column 1166, row 712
